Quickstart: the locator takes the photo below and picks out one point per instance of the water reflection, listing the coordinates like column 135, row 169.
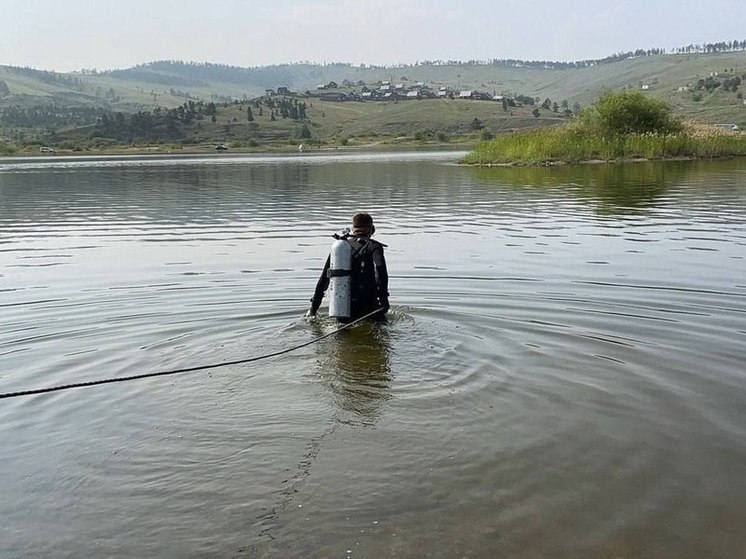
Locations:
column 356, row 366
column 614, row 189
column 591, row 366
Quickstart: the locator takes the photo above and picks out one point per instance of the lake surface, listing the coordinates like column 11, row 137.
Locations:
column 562, row 373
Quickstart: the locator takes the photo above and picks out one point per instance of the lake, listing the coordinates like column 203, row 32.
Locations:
column 561, row 374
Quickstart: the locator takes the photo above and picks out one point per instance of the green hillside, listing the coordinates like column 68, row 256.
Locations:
column 701, row 86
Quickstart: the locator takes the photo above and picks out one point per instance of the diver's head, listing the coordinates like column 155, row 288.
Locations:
column 362, row 224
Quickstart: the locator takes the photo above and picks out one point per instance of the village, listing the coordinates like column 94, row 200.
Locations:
column 386, row 91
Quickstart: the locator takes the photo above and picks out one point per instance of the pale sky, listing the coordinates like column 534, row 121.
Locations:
column 66, row 35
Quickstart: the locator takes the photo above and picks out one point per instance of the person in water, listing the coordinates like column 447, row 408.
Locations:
column 370, row 279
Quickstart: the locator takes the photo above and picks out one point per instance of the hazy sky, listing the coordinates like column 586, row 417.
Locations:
column 66, row 35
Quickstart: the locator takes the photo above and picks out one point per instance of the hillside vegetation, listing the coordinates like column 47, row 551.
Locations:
column 619, row 126
column 83, row 109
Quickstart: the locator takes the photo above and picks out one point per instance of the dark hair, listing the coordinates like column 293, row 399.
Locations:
column 362, row 220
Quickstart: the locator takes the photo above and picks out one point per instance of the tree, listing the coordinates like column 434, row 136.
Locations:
column 630, row 112
column 249, row 115
column 305, row 132
column 476, row 124
column 536, row 113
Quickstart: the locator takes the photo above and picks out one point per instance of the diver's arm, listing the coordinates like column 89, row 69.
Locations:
column 321, row 286
column 382, row 276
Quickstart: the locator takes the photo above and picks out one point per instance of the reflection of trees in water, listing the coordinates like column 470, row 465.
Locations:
column 613, row 188
column 355, row 364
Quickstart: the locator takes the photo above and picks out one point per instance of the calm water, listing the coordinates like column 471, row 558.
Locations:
column 562, row 374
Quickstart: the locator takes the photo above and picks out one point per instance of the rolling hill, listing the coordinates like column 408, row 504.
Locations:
column 698, row 85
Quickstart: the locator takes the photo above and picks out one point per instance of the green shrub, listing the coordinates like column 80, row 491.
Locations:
column 629, row 112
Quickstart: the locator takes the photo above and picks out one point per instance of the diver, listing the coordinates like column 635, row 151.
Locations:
column 356, row 271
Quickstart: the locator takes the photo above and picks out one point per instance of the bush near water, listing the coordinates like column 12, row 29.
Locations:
column 619, row 126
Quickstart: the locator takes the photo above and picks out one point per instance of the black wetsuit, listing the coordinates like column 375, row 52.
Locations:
column 370, row 279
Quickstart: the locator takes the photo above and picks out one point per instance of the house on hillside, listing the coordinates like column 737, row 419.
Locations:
column 444, row 92
column 474, row 95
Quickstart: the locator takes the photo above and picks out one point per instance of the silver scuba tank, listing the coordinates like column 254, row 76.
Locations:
column 340, row 279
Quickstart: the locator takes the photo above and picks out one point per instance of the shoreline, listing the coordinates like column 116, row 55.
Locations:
column 68, row 155
column 272, row 149
column 617, row 161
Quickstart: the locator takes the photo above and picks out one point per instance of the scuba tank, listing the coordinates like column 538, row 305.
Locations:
column 340, row 278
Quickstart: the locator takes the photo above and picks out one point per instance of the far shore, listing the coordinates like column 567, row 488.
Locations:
column 392, row 145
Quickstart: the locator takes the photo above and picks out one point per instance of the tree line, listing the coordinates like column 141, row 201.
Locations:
column 49, row 116
column 706, row 48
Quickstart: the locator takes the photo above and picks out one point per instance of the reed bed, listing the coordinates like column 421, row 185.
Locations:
column 573, row 144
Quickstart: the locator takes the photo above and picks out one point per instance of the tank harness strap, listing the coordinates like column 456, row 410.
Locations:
column 358, row 251
column 337, row 273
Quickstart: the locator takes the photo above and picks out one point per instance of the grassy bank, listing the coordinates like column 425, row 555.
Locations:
column 619, row 126
column 570, row 144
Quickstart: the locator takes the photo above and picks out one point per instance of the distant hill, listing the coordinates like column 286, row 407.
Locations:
column 702, row 82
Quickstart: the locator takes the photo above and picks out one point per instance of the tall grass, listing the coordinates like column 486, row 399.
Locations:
column 573, row 144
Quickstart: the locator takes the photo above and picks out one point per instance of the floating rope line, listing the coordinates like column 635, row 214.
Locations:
column 185, row 370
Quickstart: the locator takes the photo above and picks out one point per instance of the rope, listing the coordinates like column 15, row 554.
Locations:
column 185, row 370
